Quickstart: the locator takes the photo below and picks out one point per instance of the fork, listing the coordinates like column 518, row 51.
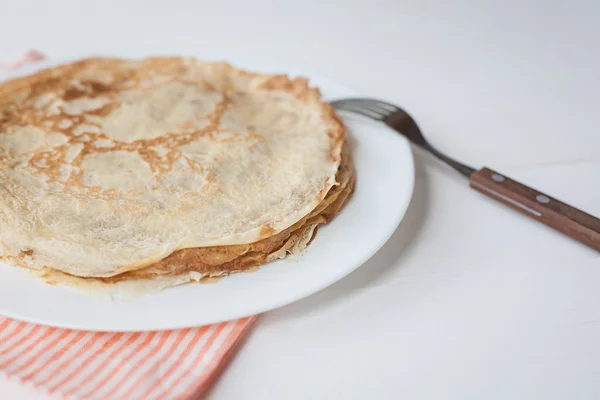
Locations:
column 566, row 219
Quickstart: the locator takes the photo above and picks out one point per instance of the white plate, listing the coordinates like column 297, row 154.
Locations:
column 385, row 178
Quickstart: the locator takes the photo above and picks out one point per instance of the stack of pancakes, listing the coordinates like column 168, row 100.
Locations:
column 139, row 175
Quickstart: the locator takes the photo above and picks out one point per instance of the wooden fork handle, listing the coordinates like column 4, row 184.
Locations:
column 572, row 222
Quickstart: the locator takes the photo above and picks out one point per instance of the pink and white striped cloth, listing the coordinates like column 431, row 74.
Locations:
column 80, row 365
column 31, row 57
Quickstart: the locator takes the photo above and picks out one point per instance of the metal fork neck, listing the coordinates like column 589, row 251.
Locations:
column 461, row 168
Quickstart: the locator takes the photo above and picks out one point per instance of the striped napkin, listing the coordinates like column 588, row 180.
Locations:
column 80, row 365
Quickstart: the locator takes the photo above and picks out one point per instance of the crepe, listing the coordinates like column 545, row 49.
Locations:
column 109, row 166
column 209, row 263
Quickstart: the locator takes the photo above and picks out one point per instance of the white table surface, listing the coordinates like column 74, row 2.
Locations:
column 468, row 300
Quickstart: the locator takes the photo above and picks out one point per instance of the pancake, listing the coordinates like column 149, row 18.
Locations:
column 163, row 166
column 210, row 263
column 197, row 264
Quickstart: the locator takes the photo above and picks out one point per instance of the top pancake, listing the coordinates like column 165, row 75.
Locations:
column 110, row 165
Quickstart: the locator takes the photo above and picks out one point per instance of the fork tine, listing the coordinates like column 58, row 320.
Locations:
column 376, row 108
column 359, row 110
column 366, row 105
column 371, row 103
column 363, row 112
column 382, row 104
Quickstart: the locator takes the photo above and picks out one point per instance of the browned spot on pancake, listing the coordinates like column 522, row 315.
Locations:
column 99, row 88
column 210, row 279
column 27, row 252
column 73, row 93
column 266, row 231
